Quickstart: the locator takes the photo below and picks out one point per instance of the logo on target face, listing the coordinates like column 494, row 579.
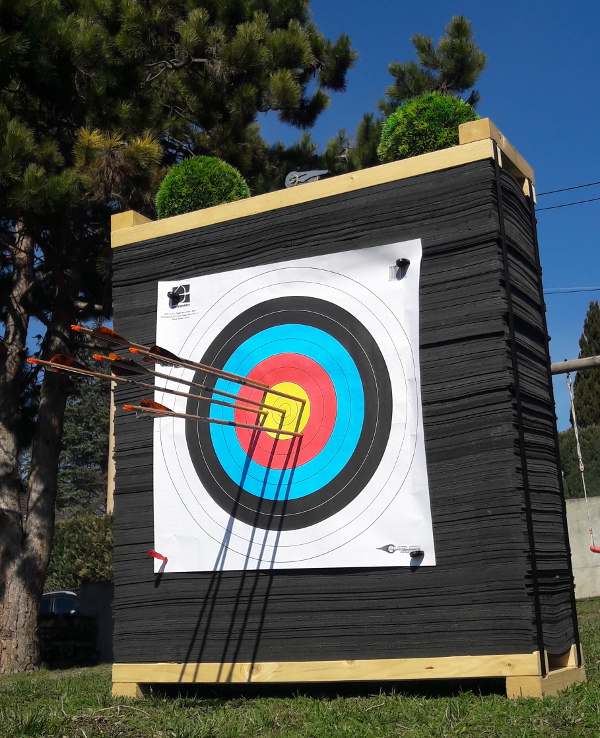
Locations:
column 179, row 296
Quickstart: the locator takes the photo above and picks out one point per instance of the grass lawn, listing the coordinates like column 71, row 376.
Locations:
column 78, row 703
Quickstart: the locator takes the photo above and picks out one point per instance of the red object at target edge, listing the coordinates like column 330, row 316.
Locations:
column 156, row 555
column 595, row 549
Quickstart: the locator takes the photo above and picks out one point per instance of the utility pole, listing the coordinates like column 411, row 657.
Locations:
column 575, row 365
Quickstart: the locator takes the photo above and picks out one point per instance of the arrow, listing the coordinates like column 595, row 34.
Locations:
column 61, row 364
column 156, row 354
column 128, row 366
column 158, row 410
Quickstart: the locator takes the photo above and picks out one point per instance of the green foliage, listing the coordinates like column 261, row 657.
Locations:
column 589, row 440
column 83, row 466
column 199, row 183
column 96, row 99
column 451, row 68
column 82, row 552
column 427, row 123
column 587, row 382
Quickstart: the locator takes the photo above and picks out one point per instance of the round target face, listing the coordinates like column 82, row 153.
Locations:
column 340, row 399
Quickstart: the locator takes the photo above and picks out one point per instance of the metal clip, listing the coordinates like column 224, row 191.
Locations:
column 297, row 178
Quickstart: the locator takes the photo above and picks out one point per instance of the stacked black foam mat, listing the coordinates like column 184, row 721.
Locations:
column 502, row 583
column 535, row 406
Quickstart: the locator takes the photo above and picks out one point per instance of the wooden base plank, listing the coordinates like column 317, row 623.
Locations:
column 450, row 667
column 129, row 689
column 538, row 686
column 522, row 673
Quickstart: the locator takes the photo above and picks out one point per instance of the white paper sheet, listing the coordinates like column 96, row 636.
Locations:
column 384, row 520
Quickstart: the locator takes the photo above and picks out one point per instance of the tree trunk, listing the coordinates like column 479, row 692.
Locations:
column 25, row 545
column 14, row 613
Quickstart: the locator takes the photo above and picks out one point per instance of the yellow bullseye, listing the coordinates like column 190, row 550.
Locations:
column 296, row 413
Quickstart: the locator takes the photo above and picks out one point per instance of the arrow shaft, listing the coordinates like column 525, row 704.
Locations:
column 203, row 419
column 189, row 383
column 144, row 385
column 202, row 367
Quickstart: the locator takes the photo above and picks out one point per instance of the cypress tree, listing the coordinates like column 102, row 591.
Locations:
column 586, row 387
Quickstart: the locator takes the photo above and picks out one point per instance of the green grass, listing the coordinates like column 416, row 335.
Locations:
column 77, row 703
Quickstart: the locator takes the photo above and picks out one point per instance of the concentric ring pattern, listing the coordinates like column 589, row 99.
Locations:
column 317, row 352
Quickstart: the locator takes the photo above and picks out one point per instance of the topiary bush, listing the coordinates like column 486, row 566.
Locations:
column 425, row 123
column 199, row 183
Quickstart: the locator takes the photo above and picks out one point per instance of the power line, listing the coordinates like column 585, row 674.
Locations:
column 564, row 290
column 567, row 189
column 567, row 204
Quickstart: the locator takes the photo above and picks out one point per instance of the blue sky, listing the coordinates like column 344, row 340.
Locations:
column 540, row 88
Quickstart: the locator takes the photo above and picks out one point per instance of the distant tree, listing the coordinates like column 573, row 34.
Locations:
column 363, row 153
column 82, row 552
column 83, row 464
column 589, row 439
column 587, row 383
column 451, row 68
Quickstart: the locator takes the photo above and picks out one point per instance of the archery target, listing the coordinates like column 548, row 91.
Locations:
column 334, row 341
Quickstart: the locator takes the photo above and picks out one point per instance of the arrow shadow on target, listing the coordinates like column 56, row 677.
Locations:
column 243, row 605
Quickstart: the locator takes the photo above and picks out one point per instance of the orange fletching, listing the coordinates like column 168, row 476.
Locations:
column 155, row 405
column 159, row 351
column 109, row 335
column 66, row 361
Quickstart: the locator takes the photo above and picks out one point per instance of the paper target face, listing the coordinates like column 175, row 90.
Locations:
column 327, row 349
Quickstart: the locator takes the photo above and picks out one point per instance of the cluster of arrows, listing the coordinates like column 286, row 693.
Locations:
column 124, row 370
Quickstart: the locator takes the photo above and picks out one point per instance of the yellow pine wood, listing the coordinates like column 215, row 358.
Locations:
column 538, row 686
column 447, row 667
column 483, row 129
column 397, row 170
column 128, row 219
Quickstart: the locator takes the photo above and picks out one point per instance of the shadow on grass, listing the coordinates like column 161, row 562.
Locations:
column 432, row 689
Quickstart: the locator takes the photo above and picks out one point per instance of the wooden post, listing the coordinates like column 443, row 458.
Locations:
column 575, row 365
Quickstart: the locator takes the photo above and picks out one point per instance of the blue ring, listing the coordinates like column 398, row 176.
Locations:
column 316, row 473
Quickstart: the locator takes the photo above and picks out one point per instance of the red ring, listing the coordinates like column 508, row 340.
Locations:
column 314, row 380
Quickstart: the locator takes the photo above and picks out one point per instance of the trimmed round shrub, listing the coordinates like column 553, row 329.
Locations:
column 425, row 123
column 199, row 183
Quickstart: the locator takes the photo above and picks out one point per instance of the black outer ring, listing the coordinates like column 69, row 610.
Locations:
column 343, row 488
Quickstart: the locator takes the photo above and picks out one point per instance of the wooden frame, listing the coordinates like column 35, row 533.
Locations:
column 526, row 674
column 521, row 671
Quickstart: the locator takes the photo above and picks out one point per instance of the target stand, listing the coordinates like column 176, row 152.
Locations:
column 414, row 526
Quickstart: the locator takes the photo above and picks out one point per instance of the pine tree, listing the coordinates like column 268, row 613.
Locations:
column 587, row 383
column 452, row 68
column 96, row 98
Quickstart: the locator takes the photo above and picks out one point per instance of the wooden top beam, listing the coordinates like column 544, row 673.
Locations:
column 131, row 227
column 483, row 129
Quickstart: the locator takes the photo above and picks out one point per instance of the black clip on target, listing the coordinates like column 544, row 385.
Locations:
column 402, row 265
